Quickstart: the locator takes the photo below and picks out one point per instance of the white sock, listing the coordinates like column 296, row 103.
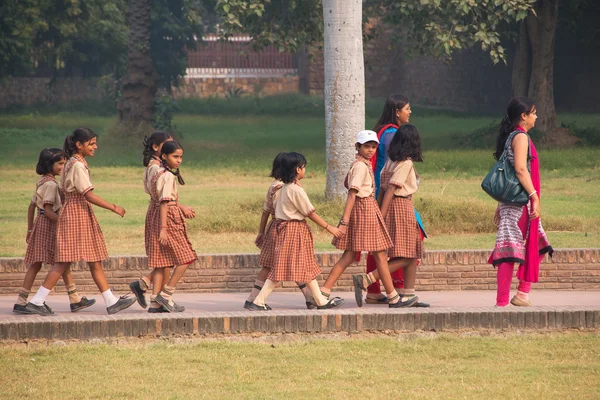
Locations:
column 109, row 298
column 313, row 286
column 40, row 296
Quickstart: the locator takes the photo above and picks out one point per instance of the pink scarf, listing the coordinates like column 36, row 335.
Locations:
column 530, row 270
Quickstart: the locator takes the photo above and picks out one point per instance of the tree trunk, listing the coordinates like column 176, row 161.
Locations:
column 521, row 64
column 344, row 90
column 139, row 85
column 542, row 34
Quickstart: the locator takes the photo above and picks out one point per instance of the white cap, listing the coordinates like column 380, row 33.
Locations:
column 366, row 136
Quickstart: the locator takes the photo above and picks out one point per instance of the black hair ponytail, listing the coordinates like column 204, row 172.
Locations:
column 157, row 138
column 515, row 108
column 276, row 169
column 81, row 135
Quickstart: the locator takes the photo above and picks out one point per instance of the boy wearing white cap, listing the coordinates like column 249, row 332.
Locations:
column 362, row 225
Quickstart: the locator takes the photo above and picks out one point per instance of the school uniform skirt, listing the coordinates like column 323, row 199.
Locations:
column 153, row 208
column 366, row 229
column 403, row 229
column 78, row 234
column 266, row 259
column 294, row 253
column 41, row 246
column 178, row 250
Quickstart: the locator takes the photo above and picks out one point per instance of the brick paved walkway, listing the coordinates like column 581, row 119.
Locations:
column 222, row 313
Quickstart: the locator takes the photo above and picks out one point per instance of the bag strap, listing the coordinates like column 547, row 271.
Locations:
column 509, row 142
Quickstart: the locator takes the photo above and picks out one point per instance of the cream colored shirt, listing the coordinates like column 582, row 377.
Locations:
column 360, row 179
column 293, row 203
column 166, row 187
column 404, row 177
column 149, row 173
column 78, row 179
column 48, row 193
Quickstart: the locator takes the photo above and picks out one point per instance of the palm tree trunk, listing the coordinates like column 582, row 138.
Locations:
column 344, row 90
column 139, row 85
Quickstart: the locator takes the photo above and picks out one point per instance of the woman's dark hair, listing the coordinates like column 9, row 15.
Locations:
column 170, row 148
column 275, row 170
column 515, row 108
column 157, row 138
column 289, row 163
column 81, row 135
column 388, row 116
column 406, row 144
column 47, row 159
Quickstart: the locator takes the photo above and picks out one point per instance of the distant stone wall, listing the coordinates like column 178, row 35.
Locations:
column 262, row 86
column 570, row 269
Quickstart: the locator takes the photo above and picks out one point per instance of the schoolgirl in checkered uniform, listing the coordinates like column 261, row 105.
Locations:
column 267, row 237
column 78, row 234
column 362, row 226
column 159, row 276
column 399, row 181
column 41, row 234
column 294, row 252
column 168, row 244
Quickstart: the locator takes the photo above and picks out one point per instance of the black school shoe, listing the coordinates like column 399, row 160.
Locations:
column 123, row 303
column 168, row 306
column 84, row 303
column 357, row 282
column 256, row 307
column 20, row 309
column 140, row 293
column 336, row 302
column 157, row 310
column 410, row 302
column 248, row 304
column 31, row 308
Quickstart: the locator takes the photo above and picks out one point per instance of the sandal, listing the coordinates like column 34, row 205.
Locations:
column 381, row 300
column 357, row 281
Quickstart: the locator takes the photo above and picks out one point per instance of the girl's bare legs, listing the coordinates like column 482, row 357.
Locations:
column 338, row 269
column 165, row 297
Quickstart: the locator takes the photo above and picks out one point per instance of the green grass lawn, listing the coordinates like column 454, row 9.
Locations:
column 227, row 160
column 529, row 367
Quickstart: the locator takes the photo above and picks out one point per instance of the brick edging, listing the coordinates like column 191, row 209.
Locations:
column 569, row 269
column 275, row 322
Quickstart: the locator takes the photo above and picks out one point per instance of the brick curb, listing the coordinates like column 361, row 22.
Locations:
column 24, row 328
column 570, row 269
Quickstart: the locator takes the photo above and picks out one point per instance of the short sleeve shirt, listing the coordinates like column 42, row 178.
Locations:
column 402, row 175
column 47, row 193
column 359, row 179
column 77, row 178
column 293, row 203
column 166, row 187
column 151, row 170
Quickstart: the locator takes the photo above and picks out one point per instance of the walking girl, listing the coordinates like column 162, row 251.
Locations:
column 78, row 234
column 362, row 226
column 399, row 181
column 396, row 112
column 168, row 244
column 294, row 254
column 152, row 148
column 41, row 234
column 521, row 238
column 267, row 237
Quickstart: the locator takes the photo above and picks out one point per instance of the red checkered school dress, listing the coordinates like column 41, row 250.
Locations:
column 294, row 251
column 402, row 224
column 151, row 170
column 178, row 250
column 366, row 230
column 78, row 234
column 41, row 246
column 266, row 258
